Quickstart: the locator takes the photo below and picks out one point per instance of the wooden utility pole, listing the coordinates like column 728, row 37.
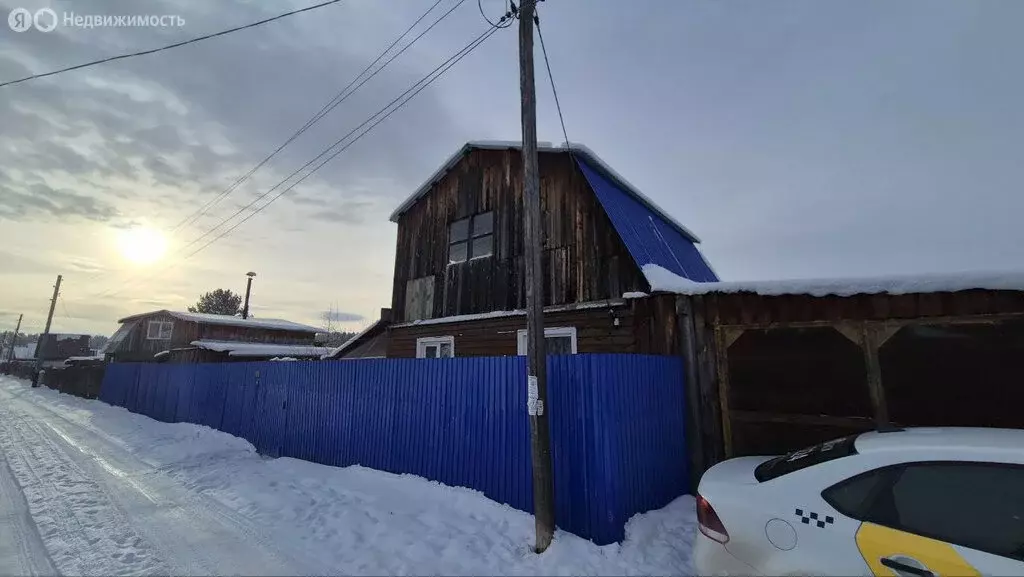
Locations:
column 540, row 437
column 14, row 342
column 46, row 332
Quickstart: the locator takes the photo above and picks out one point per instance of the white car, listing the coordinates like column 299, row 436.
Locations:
column 914, row 502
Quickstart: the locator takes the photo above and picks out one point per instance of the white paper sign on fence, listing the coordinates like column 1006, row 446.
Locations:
column 534, row 406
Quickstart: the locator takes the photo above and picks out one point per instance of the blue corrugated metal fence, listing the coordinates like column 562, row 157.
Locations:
column 616, row 422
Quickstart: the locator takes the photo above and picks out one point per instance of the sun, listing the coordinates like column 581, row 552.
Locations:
column 141, row 245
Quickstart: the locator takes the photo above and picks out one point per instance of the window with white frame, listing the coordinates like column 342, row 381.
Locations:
column 557, row 340
column 435, row 347
column 471, row 237
column 159, row 330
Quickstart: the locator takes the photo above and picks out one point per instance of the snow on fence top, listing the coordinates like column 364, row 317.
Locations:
column 662, row 280
column 238, row 349
column 260, row 323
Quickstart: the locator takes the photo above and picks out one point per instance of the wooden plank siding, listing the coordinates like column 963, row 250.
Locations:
column 136, row 347
column 584, row 258
column 642, row 327
column 793, row 370
column 747, row 309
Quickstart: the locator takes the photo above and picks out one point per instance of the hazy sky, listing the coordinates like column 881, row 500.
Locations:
column 796, row 138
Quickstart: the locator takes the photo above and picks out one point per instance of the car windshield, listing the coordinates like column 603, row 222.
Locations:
column 804, row 458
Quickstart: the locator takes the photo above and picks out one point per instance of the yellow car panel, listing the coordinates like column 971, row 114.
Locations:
column 877, row 543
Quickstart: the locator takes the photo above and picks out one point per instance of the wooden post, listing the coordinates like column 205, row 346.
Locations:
column 14, row 342
column 711, row 410
column 722, row 366
column 872, row 341
column 694, row 410
column 540, row 437
column 46, row 332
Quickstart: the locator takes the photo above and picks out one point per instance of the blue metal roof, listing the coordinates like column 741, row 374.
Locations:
column 648, row 237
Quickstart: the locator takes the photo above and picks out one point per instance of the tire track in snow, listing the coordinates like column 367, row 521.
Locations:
column 83, row 531
column 21, row 548
column 198, row 534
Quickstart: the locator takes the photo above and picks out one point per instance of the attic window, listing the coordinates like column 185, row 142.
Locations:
column 159, row 330
column 471, row 237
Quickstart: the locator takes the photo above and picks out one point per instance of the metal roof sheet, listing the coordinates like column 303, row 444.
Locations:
column 579, row 150
column 648, row 236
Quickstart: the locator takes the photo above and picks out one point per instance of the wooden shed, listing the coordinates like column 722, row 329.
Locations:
column 781, row 365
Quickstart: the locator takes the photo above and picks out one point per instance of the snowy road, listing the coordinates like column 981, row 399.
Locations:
column 90, row 489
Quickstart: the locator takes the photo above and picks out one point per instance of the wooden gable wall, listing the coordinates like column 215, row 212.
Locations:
column 584, row 258
column 136, row 347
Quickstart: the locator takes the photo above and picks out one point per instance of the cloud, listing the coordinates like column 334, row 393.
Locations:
column 19, row 263
column 340, row 317
column 42, row 201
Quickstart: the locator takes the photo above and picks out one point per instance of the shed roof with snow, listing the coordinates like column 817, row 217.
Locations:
column 261, row 350
column 663, row 280
column 226, row 320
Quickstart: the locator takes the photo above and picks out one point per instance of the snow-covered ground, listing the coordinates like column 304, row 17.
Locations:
column 86, row 488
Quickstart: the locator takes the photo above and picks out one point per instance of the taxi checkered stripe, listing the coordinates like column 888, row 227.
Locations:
column 806, row 517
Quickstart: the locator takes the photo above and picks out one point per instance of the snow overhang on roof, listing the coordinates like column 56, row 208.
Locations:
column 663, row 280
column 257, row 323
column 581, row 152
column 243, row 349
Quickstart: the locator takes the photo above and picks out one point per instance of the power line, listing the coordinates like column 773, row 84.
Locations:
column 169, row 46
column 551, row 77
column 336, row 100
column 505, row 20
column 401, row 100
column 65, row 307
column 446, row 66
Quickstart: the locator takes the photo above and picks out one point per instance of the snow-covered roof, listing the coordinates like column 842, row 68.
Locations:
column 239, row 349
column 579, row 150
column 662, row 280
column 86, row 358
column 345, row 345
column 260, row 323
column 25, row 351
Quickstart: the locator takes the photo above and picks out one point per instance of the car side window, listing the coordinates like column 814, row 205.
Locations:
column 976, row 505
column 854, row 496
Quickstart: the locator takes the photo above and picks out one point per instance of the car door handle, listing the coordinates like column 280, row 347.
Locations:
column 904, row 569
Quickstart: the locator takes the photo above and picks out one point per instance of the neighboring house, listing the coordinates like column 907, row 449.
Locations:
column 60, row 346
column 370, row 343
column 196, row 337
column 459, row 284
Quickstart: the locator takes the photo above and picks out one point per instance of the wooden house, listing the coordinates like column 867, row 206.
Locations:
column 176, row 336
column 61, row 346
column 459, row 284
